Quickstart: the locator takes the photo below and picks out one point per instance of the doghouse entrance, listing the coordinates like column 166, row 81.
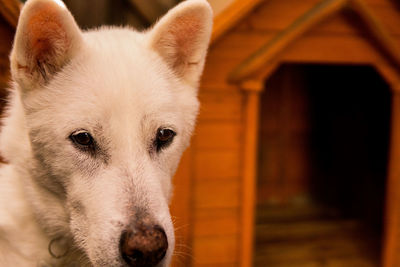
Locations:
column 322, row 166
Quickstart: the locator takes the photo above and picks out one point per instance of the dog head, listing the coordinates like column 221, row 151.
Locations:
column 107, row 115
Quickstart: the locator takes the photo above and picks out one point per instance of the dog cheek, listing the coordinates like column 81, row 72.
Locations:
column 46, row 172
column 78, row 223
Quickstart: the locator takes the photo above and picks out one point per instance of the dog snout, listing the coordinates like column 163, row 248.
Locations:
column 143, row 245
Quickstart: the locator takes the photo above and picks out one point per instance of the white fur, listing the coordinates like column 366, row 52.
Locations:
column 121, row 86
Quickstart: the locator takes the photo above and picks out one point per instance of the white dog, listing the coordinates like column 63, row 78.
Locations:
column 95, row 127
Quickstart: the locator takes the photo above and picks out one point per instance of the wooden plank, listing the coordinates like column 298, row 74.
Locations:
column 218, row 135
column 354, row 49
column 274, row 16
column 215, row 250
column 212, row 194
column 277, row 15
column 204, row 214
column 389, row 17
column 269, row 51
column 386, row 3
column 227, row 54
column 235, row 47
column 330, row 262
column 217, row 164
column 181, row 209
column 216, row 70
column 235, row 15
column 299, row 235
column 220, row 106
column 216, row 222
column 296, row 29
column 230, row 16
column 280, row 253
column 391, row 256
column 377, row 31
column 249, row 176
column 332, row 49
column 303, row 230
column 337, row 24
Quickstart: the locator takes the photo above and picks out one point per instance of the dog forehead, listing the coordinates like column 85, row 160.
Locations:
column 117, row 66
column 122, row 51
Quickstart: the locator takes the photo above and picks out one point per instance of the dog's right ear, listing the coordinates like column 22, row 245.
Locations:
column 181, row 38
column 47, row 37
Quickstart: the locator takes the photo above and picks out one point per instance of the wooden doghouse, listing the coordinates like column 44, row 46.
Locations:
column 251, row 42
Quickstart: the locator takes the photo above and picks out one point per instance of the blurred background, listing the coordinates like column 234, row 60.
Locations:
column 295, row 158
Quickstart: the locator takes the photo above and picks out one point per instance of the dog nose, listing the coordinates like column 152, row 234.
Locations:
column 143, row 245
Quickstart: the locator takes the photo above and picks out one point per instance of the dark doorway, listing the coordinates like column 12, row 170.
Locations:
column 324, row 138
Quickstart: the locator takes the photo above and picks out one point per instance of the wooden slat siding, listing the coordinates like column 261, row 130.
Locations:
column 249, row 171
column 217, row 222
column 214, row 76
column 238, row 10
column 217, row 164
column 342, row 23
column 284, row 38
column 271, row 50
column 181, row 208
column 265, row 18
column 224, row 21
column 278, row 252
column 218, row 135
column 389, row 3
column 392, row 214
column 220, row 107
column 215, row 250
column 220, row 62
column 377, row 32
column 217, row 194
column 230, row 49
column 349, row 49
column 273, row 20
column 219, row 158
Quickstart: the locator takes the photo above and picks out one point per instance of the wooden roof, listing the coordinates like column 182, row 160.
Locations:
column 231, row 16
column 9, row 9
column 240, row 9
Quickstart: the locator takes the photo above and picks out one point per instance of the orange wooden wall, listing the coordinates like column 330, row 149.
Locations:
column 216, row 155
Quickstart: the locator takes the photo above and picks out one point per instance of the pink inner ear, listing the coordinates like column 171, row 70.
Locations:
column 46, row 36
column 186, row 35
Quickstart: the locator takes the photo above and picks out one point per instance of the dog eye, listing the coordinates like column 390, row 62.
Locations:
column 82, row 138
column 164, row 138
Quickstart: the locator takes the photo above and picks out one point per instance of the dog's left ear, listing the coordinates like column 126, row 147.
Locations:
column 46, row 39
column 181, row 37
